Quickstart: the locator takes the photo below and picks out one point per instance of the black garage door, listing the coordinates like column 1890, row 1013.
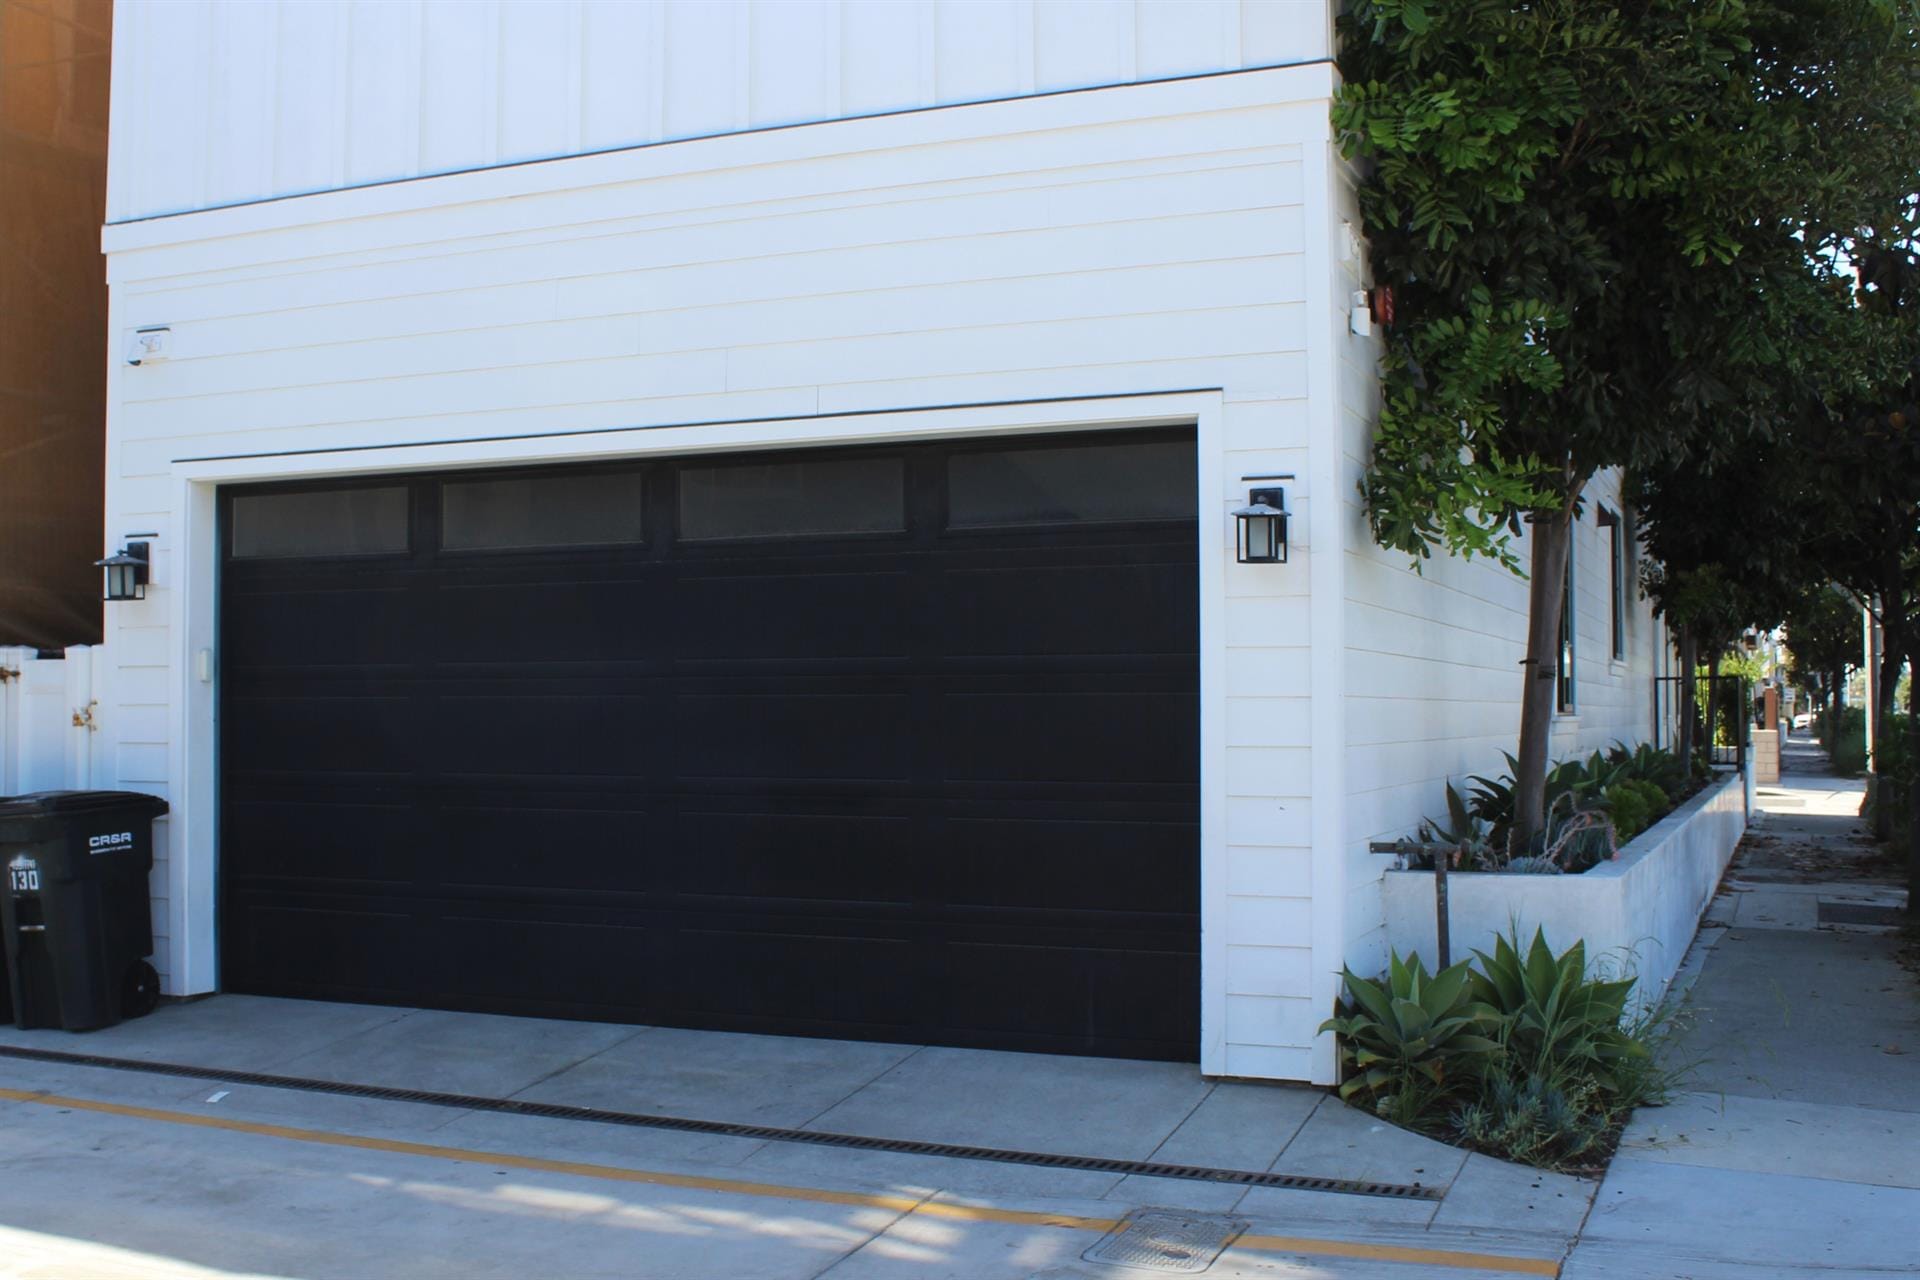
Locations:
column 881, row 743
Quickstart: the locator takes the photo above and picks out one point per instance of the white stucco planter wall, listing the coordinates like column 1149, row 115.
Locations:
column 1637, row 913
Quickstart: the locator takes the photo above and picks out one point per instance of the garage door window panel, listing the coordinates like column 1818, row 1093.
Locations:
column 1078, row 484
column 530, row 512
column 323, row 522
column 793, row 499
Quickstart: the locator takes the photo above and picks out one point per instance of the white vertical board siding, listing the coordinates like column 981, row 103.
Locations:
column 1150, row 240
column 222, row 101
column 52, row 714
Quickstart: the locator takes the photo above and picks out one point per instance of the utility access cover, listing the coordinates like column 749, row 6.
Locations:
column 1166, row 1240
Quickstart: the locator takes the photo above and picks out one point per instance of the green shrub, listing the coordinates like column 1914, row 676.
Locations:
column 1648, row 763
column 1635, row 805
column 1531, row 1058
column 1415, row 1041
column 1896, row 764
column 1845, row 740
column 1533, row 1122
column 1575, row 790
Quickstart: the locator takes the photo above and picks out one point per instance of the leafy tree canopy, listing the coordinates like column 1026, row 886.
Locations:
column 1614, row 232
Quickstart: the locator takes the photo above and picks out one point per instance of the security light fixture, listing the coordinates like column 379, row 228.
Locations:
column 126, row 572
column 1260, row 528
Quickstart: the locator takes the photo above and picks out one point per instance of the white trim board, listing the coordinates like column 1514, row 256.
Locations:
column 195, row 762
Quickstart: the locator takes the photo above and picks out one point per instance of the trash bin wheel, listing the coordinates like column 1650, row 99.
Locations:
column 141, row 992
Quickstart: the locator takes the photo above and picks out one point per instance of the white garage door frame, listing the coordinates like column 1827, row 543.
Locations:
column 195, row 597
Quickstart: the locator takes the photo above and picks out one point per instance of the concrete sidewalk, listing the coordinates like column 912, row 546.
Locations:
column 1798, row 1151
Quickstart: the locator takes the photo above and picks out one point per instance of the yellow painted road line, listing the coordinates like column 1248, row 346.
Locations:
column 770, row 1190
column 1400, row 1253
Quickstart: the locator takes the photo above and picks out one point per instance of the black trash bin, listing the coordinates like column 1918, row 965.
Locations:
column 75, row 906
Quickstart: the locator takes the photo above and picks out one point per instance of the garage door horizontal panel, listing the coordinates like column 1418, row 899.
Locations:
column 534, row 735
column 1070, row 865
column 533, row 849
column 348, row 950
column 321, row 627
column 589, row 967
column 346, row 734
column 829, row 981
column 1143, row 999
column 319, row 843
column 835, row 858
column 1028, row 613
column 816, row 734
column 792, row 617
column 555, row 621
column 1085, row 736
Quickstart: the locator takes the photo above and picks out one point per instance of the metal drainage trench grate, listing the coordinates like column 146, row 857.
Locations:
column 721, row 1128
column 1167, row 1240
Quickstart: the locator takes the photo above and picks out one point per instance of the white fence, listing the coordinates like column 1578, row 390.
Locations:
column 49, row 737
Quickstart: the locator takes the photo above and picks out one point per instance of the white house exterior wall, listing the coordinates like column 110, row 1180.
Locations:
column 1433, row 677
column 218, row 102
column 1140, row 254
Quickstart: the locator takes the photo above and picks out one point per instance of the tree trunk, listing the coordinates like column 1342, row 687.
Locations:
column 1912, row 832
column 1891, row 651
column 1551, row 543
column 1689, row 695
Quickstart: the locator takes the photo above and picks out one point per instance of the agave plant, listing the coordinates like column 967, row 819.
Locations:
column 1408, row 1041
column 1557, row 1020
column 1470, row 837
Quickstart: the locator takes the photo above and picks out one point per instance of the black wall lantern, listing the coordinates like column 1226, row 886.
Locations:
column 126, row 572
column 1260, row 527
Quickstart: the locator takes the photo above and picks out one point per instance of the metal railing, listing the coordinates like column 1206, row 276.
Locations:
column 1722, row 717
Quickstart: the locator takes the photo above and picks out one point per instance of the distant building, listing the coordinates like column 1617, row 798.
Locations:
column 53, row 317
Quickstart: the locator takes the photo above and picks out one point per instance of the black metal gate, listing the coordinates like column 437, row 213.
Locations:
column 1722, row 717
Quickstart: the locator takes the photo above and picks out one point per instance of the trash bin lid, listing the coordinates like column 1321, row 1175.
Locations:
column 49, row 804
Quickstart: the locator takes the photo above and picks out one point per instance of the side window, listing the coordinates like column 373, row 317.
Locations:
column 1563, row 687
column 1616, row 579
column 319, row 523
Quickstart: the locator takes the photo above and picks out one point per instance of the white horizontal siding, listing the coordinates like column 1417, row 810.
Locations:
column 1056, row 251
column 1434, row 685
column 224, row 101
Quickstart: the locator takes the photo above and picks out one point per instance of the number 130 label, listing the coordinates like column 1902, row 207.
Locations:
column 23, row 879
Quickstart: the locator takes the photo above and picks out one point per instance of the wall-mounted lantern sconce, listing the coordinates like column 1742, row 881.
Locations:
column 1260, row 527
column 126, row 572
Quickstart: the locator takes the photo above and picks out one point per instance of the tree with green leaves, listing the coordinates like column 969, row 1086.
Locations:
column 1611, row 232
column 1823, row 641
column 1859, row 472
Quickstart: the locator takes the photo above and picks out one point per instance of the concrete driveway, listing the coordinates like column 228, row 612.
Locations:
column 140, row 1172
